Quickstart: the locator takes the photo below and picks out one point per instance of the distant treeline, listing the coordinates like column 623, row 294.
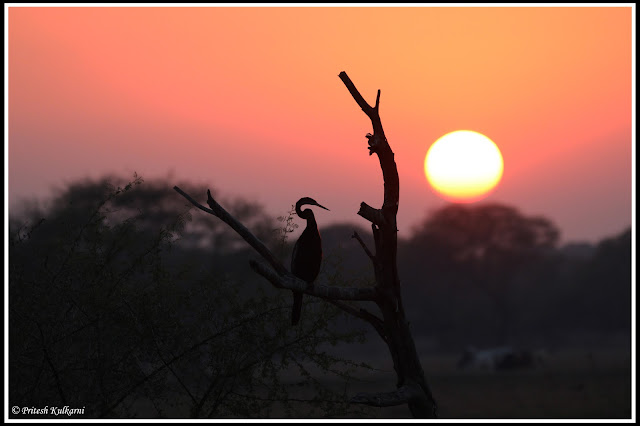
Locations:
column 478, row 272
column 487, row 275
column 112, row 282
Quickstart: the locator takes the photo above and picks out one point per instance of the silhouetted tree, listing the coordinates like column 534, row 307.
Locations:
column 117, row 304
column 484, row 246
column 392, row 325
column 605, row 286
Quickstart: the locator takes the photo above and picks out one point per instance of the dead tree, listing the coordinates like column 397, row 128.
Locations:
column 392, row 325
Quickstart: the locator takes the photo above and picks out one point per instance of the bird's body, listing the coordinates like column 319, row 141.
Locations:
column 307, row 253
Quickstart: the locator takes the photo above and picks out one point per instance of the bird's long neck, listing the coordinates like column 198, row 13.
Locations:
column 308, row 215
column 305, row 214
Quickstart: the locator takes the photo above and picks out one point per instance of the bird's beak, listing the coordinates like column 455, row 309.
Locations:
column 323, row 207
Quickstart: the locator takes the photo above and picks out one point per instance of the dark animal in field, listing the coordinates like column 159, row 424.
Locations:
column 515, row 360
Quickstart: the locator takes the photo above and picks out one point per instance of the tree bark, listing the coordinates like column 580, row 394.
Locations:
column 411, row 386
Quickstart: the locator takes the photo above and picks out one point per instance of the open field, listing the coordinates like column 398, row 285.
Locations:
column 574, row 384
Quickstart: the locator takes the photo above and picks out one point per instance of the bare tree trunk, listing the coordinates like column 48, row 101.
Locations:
column 393, row 328
column 397, row 335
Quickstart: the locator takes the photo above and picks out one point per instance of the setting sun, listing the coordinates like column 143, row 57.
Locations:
column 463, row 166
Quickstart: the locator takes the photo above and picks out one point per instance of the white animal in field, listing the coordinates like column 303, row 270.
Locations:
column 487, row 359
column 501, row 358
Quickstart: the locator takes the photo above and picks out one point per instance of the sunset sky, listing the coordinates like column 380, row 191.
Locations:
column 247, row 100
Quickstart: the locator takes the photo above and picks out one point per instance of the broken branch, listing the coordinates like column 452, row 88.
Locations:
column 222, row 214
column 364, row 246
column 373, row 215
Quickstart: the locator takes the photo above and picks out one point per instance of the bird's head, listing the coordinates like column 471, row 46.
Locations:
column 306, row 201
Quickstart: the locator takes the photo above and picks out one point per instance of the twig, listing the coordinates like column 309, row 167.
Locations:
column 363, row 314
column 364, row 246
column 47, row 357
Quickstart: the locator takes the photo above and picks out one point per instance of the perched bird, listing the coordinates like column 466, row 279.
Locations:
column 307, row 253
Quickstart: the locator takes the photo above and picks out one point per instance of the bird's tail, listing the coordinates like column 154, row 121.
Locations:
column 297, row 308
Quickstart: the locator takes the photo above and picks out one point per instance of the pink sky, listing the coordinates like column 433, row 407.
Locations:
column 248, row 101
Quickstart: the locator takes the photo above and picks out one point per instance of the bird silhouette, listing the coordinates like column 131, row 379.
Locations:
column 307, row 253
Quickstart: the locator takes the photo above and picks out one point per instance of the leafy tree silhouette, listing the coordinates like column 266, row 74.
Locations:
column 119, row 308
column 488, row 245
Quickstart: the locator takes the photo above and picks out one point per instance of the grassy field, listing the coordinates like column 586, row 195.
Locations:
column 575, row 384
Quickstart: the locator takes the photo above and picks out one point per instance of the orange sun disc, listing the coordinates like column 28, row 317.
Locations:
column 463, row 166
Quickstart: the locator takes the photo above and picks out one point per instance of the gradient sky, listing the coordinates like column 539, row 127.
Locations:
column 248, row 101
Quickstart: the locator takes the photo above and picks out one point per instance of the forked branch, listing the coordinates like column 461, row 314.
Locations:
column 378, row 144
column 372, row 112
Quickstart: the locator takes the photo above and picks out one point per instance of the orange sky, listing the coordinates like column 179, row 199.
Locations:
column 248, row 101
